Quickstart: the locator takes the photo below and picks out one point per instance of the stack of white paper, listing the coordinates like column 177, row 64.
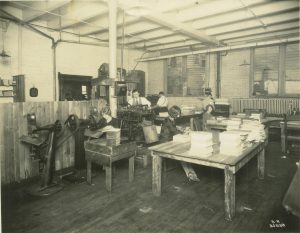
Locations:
column 257, row 130
column 234, row 123
column 181, row 138
column 201, row 143
column 231, row 143
column 257, row 116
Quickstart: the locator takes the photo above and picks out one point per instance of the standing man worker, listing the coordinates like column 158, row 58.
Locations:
column 162, row 103
column 137, row 100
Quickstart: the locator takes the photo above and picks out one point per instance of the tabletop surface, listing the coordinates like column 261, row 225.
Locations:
column 182, row 150
column 224, row 121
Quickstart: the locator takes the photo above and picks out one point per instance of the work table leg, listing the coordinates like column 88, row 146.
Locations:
column 283, row 138
column 261, row 164
column 229, row 190
column 156, row 174
column 108, row 177
column 89, row 171
column 131, row 168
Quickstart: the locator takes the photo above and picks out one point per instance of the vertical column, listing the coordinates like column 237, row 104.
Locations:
column 281, row 71
column 112, row 5
column 251, row 73
column 218, row 80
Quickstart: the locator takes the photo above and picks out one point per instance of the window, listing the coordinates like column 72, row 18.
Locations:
column 266, row 65
column 175, row 77
column 186, row 75
column 292, row 69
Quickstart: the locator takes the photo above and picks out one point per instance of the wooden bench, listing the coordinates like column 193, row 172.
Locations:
column 96, row 151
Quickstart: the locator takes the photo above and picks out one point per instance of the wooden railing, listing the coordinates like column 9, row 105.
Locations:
column 16, row 162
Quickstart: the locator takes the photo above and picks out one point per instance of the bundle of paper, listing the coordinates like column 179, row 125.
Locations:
column 234, row 123
column 201, row 143
column 257, row 116
column 181, row 138
column 113, row 137
column 231, row 143
column 257, row 130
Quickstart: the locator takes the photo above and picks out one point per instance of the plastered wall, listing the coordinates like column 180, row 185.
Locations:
column 32, row 55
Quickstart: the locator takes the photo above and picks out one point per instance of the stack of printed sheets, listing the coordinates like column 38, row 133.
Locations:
column 201, row 143
column 231, row 143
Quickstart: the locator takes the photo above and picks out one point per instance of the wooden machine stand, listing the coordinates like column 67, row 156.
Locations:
column 98, row 152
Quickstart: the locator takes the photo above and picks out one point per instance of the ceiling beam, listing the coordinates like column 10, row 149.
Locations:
column 78, row 12
column 240, row 16
column 174, row 25
column 37, row 9
column 181, row 28
column 251, row 26
column 190, row 47
column 265, row 36
column 259, row 31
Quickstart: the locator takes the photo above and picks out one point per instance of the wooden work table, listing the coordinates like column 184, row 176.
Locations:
column 222, row 124
column 230, row 164
column 98, row 152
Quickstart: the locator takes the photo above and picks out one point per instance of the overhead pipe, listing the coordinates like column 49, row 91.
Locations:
column 220, row 49
column 54, row 45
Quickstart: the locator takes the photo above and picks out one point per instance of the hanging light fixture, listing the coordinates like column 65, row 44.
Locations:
column 4, row 26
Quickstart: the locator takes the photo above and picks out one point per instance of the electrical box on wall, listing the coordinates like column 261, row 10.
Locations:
column 120, row 88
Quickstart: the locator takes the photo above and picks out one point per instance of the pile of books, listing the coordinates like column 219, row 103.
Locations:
column 201, row 144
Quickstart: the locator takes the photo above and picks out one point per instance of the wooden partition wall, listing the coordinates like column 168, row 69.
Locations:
column 16, row 162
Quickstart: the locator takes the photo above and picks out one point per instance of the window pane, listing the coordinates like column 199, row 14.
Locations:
column 196, row 74
column 266, row 63
column 175, row 79
column 186, row 75
column 292, row 68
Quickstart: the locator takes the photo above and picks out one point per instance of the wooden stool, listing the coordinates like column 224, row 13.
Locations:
column 98, row 152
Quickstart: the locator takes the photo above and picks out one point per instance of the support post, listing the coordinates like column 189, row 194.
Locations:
column 112, row 4
column 229, row 190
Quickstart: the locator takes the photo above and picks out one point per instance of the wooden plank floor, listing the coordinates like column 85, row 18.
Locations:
column 183, row 207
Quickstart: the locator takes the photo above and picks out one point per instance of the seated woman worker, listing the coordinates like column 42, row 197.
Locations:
column 98, row 127
column 107, row 119
column 168, row 130
column 208, row 110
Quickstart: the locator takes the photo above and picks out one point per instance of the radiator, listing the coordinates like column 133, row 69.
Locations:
column 272, row 105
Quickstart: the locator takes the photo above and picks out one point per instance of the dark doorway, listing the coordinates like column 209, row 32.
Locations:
column 74, row 87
